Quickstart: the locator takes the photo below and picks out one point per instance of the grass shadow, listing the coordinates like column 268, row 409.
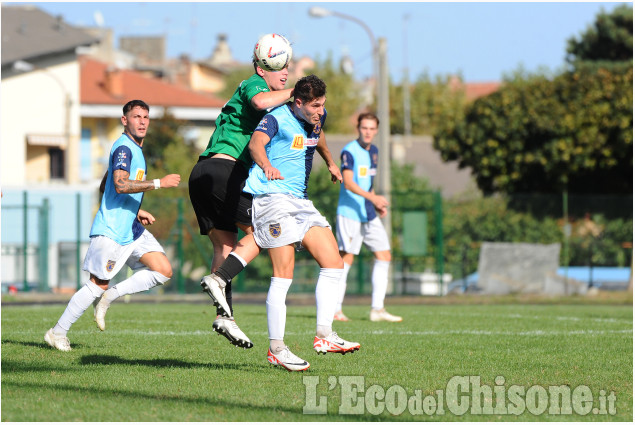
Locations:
column 9, row 367
column 211, row 404
column 100, row 359
column 34, row 344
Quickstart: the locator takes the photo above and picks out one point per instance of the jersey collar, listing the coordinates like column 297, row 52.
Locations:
column 132, row 140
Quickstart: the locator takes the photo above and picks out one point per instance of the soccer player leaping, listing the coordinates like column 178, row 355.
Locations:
column 284, row 219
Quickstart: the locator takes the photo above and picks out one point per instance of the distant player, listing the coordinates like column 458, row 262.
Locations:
column 117, row 236
column 357, row 219
column 216, row 186
column 284, row 219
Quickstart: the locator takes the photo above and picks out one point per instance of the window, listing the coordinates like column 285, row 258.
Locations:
column 57, row 163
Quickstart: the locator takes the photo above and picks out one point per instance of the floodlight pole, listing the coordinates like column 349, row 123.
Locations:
column 383, row 186
column 380, row 73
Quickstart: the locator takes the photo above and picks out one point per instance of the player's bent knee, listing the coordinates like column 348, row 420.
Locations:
column 165, row 272
column 160, row 278
column 383, row 255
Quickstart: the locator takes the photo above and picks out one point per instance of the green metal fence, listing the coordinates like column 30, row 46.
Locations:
column 429, row 234
column 40, row 279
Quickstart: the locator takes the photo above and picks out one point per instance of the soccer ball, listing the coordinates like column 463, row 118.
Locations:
column 272, row 52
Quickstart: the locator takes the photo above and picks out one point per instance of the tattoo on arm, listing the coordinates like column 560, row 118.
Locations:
column 124, row 185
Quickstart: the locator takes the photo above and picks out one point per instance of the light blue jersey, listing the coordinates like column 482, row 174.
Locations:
column 290, row 150
column 117, row 215
column 363, row 163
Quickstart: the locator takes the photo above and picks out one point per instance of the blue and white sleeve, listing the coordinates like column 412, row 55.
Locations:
column 347, row 160
column 268, row 125
column 121, row 159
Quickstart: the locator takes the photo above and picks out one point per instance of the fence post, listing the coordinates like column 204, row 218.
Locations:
column 360, row 274
column 439, row 226
column 25, row 231
column 44, row 246
column 179, row 246
column 78, row 242
column 567, row 234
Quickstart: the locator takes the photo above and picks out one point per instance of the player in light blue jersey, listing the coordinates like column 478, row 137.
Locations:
column 357, row 219
column 284, row 219
column 117, row 236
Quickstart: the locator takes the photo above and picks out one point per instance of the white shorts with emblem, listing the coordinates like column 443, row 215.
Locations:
column 280, row 219
column 351, row 233
column 106, row 257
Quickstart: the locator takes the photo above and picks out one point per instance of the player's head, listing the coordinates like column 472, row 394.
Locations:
column 136, row 119
column 276, row 80
column 133, row 103
column 367, row 126
column 309, row 98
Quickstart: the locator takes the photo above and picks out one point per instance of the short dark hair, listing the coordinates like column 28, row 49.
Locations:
column 367, row 116
column 309, row 88
column 133, row 104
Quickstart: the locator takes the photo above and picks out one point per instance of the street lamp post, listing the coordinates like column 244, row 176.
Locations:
column 320, row 12
column 380, row 72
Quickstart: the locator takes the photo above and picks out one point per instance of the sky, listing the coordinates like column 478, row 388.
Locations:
column 477, row 40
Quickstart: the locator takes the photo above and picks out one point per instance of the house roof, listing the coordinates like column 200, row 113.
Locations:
column 29, row 33
column 102, row 84
column 475, row 90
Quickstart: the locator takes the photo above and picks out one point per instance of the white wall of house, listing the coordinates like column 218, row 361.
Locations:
column 34, row 103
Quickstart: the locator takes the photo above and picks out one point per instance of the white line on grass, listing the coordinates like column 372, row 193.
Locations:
column 534, row 317
column 372, row 332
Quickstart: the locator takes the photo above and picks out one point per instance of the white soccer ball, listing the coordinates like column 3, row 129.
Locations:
column 272, row 52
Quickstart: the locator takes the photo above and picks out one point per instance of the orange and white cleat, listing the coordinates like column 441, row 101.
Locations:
column 334, row 344
column 383, row 316
column 287, row 360
column 341, row 317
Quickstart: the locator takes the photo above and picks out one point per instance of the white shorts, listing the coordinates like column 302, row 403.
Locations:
column 351, row 233
column 281, row 220
column 106, row 257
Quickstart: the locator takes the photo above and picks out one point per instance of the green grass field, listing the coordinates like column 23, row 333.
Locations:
column 163, row 362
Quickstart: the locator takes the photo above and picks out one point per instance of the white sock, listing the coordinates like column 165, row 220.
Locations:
column 143, row 280
column 276, row 345
column 326, row 293
column 111, row 294
column 78, row 304
column 340, row 300
column 380, row 283
column 277, row 307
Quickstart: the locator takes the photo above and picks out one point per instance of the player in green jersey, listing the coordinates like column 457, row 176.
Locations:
column 218, row 178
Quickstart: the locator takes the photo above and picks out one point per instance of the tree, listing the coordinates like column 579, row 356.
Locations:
column 608, row 42
column 432, row 101
column 167, row 152
column 545, row 134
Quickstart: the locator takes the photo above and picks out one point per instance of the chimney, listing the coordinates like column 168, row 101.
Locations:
column 114, row 82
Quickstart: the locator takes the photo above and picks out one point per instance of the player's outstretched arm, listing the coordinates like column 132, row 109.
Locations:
column 270, row 99
column 325, row 153
column 258, row 153
column 124, row 185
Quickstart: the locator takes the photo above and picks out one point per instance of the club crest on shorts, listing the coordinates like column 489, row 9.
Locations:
column 110, row 265
column 275, row 230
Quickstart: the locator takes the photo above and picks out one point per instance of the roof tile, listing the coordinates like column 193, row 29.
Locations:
column 102, row 84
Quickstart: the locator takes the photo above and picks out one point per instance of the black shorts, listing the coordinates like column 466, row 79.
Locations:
column 216, row 191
